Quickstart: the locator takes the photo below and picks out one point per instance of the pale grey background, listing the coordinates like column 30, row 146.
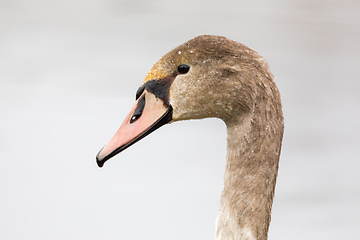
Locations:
column 69, row 71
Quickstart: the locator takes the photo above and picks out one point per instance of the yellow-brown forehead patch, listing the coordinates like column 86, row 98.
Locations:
column 157, row 72
column 166, row 66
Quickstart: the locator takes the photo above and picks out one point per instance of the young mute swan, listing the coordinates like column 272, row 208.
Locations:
column 214, row 77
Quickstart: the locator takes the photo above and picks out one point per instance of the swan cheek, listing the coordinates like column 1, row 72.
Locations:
column 148, row 114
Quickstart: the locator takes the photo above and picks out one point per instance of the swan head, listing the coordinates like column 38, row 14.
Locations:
column 206, row 77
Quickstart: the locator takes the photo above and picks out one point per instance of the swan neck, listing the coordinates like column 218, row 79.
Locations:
column 253, row 149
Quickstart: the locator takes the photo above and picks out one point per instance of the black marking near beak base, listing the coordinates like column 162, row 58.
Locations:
column 160, row 88
column 139, row 92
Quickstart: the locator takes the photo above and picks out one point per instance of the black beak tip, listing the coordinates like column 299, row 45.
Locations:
column 100, row 162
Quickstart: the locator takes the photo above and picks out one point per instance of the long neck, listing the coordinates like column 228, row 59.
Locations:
column 253, row 149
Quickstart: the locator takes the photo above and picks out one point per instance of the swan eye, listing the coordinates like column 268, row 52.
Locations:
column 183, row 68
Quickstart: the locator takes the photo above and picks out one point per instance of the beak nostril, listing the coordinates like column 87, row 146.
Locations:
column 139, row 109
column 134, row 118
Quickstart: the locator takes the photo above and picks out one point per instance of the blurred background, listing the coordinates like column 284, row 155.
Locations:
column 69, row 71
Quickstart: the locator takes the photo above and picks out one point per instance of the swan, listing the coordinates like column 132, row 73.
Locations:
column 215, row 77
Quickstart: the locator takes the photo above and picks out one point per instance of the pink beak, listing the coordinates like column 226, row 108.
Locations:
column 148, row 114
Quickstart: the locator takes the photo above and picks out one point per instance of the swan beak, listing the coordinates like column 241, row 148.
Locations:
column 148, row 114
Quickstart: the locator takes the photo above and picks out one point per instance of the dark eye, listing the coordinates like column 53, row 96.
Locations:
column 183, row 68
